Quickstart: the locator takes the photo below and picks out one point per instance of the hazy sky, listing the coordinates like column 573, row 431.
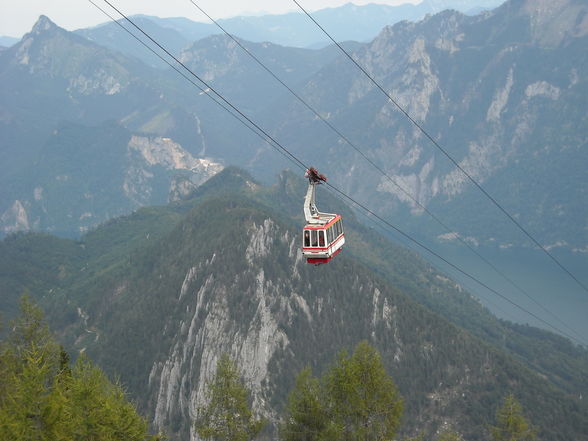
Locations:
column 18, row 16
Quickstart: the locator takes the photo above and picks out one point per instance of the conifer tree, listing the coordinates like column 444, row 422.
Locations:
column 307, row 418
column 29, row 410
column 44, row 399
column 511, row 424
column 227, row 416
column 363, row 399
column 355, row 400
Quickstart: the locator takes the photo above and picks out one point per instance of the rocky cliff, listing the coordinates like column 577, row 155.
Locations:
column 503, row 92
column 229, row 278
column 87, row 175
column 499, row 91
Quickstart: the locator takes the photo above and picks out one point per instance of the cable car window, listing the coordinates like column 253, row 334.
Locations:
column 306, row 238
column 330, row 234
column 321, row 238
column 314, row 239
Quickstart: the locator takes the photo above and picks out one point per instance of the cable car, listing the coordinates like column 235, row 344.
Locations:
column 322, row 236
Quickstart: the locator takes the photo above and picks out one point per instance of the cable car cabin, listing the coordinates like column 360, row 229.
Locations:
column 322, row 236
column 323, row 242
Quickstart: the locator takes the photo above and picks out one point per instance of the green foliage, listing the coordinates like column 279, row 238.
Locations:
column 100, row 409
column 126, row 275
column 449, row 435
column 227, row 416
column 307, row 417
column 363, row 398
column 43, row 399
column 355, row 400
column 511, row 424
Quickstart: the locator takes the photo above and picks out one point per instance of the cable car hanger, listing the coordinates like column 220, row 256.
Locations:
column 323, row 236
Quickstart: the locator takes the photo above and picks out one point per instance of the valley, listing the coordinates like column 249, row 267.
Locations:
column 154, row 296
column 158, row 230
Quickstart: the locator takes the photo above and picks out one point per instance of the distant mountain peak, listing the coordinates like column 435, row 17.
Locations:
column 44, row 23
column 551, row 21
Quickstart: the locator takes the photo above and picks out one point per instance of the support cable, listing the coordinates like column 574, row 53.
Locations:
column 380, row 169
column 274, row 143
column 442, row 150
column 203, row 91
column 208, row 86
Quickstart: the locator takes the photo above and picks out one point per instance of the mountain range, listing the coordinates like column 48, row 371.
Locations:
column 347, row 22
column 479, row 84
column 152, row 253
column 88, row 133
column 157, row 296
column 498, row 91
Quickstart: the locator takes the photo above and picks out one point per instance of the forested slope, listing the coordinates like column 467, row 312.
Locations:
column 156, row 296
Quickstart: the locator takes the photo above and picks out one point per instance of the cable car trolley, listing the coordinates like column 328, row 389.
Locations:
column 322, row 236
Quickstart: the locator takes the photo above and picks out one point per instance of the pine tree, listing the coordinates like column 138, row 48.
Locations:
column 44, row 399
column 30, row 361
column 227, row 416
column 355, row 400
column 99, row 409
column 307, row 418
column 363, row 399
column 511, row 424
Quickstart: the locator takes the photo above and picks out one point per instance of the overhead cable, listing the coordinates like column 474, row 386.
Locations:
column 278, row 146
column 378, row 168
column 203, row 91
column 447, row 155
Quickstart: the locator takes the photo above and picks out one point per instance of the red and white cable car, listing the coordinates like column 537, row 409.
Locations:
column 322, row 236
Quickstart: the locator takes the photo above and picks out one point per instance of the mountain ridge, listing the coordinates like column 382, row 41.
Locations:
column 463, row 79
column 348, row 22
column 494, row 126
column 224, row 272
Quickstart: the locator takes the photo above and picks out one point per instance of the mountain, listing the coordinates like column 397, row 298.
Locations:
column 67, row 161
column 112, row 36
column 7, row 41
column 345, row 23
column 221, row 62
column 155, row 297
column 479, row 84
column 526, row 146
column 87, row 175
column 502, row 92
column 66, row 99
column 61, row 76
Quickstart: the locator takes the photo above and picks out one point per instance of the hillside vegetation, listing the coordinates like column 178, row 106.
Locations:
column 156, row 296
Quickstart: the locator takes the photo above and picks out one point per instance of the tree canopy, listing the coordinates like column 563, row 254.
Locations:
column 42, row 398
column 511, row 425
column 227, row 416
column 354, row 400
